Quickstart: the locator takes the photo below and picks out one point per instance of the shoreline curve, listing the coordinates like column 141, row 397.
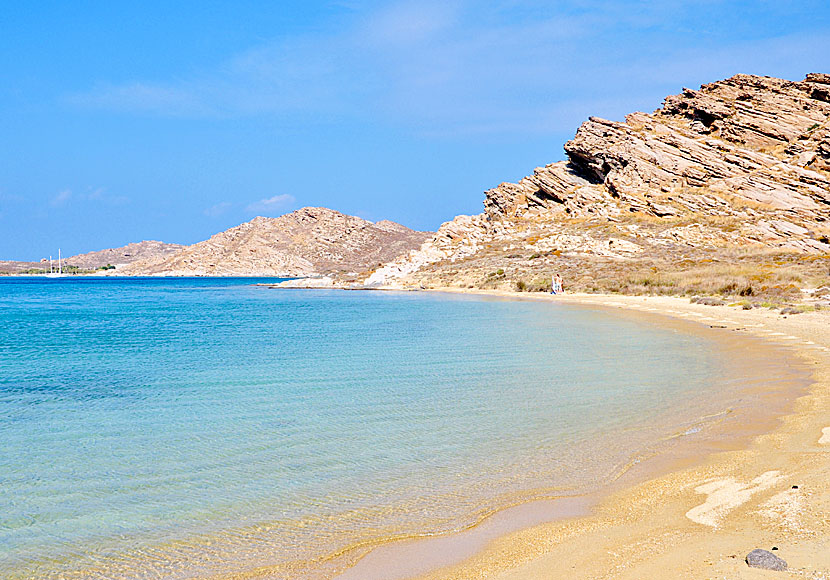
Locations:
column 528, row 552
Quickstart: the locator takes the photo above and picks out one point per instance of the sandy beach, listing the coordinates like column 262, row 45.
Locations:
column 699, row 518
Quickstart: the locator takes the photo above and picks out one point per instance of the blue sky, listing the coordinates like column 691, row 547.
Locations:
column 124, row 121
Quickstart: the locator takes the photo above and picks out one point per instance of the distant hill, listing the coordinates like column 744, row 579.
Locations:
column 146, row 250
column 14, row 267
column 311, row 240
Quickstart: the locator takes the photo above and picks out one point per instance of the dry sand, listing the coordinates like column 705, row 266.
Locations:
column 700, row 521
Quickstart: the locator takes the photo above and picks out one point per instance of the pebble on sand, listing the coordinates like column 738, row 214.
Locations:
column 766, row 560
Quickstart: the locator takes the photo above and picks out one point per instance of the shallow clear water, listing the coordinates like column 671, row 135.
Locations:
column 179, row 427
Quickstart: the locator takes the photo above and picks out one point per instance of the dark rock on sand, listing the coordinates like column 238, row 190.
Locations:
column 767, row 560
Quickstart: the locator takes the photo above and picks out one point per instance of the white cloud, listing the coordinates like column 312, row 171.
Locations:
column 218, row 209
column 275, row 203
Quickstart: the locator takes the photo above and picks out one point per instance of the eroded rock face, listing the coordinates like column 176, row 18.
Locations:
column 308, row 241
column 758, row 139
column 743, row 162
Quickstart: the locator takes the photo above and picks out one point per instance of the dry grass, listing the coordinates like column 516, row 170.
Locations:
column 735, row 275
column 537, row 284
column 780, row 280
column 746, row 274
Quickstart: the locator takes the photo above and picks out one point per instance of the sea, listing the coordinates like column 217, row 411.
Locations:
column 200, row 427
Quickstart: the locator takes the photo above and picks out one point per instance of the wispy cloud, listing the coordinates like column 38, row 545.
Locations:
column 98, row 195
column 458, row 68
column 218, row 209
column 411, row 23
column 61, row 198
column 171, row 99
column 11, row 197
column 275, row 203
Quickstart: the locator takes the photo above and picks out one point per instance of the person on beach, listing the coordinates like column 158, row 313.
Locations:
column 556, row 284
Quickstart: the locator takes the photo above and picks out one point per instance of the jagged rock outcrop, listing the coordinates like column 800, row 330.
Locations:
column 306, row 242
column 740, row 164
column 146, row 250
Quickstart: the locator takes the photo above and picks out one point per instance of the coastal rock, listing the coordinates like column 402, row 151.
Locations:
column 322, row 282
column 766, row 560
column 735, row 172
column 305, row 242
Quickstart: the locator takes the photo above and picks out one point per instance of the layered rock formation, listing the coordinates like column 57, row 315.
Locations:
column 309, row 241
column 735, row 172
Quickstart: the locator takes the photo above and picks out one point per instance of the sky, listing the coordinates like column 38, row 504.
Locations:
column 128, row 121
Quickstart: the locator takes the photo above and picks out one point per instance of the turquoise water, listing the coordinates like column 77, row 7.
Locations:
column 176, row 428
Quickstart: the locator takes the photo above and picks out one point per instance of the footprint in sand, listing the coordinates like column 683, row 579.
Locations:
column 825, row 436
column 724, row 495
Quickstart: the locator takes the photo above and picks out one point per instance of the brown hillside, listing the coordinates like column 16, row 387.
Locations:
column 305, row 242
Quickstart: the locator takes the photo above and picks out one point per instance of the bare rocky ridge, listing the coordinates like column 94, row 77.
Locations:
column 309, row 241
column 722, row 184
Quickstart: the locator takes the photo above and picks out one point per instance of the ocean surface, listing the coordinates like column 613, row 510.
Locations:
column 178, row 428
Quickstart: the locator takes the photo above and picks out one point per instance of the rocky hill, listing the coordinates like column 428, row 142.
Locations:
column 83, row 263
column 10, row 267
column 725, row 189
column 146, row 250
column 309, row 241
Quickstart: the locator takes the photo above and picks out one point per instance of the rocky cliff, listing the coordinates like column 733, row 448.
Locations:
column 723, row 189
column 306, row 242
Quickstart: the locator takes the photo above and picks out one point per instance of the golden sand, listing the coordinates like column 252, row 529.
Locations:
column 699, row 521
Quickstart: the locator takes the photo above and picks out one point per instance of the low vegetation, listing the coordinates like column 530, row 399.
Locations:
column 745, row 277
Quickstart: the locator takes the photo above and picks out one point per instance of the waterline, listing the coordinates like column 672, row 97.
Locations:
column 186, row 430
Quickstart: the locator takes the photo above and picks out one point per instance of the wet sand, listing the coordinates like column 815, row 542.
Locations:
column 711, row 506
